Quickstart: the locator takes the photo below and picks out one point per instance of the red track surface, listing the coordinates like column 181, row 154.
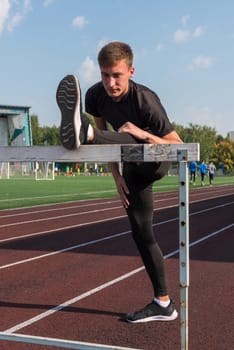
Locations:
column 55, row 254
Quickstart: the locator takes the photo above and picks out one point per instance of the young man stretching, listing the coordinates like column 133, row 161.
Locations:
column 137, row 116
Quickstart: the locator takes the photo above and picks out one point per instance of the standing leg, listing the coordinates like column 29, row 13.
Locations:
column 140, row 214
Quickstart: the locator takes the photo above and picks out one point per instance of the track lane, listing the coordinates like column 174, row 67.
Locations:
column 101, row 311
column 67, row 239
column 23, row 219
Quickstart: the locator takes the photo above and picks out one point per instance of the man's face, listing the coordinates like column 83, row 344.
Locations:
column 115, row 79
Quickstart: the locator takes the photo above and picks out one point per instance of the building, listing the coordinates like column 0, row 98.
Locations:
column 15, row 126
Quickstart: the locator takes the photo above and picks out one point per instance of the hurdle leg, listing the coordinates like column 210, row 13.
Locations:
column 183, row 246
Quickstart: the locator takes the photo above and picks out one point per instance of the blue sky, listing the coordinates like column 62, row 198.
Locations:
column 184, row 51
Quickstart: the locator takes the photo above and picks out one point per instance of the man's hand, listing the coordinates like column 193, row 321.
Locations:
column 120, row 184
column 147, row 137
column 122, row 190
column 133, row 130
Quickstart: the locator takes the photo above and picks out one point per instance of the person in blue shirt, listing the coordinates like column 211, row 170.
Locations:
column 193, row 172
column 203, row 171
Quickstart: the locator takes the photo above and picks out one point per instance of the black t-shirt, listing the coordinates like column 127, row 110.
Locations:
column 140, row 105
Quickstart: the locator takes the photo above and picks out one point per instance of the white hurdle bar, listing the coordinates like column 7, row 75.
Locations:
column 60, row 343
column 180, row 153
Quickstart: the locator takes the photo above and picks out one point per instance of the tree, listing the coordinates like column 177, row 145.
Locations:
column 224, row 155
column 50, row 135
column 36, row 130
column 44, row 135
column 204, row 135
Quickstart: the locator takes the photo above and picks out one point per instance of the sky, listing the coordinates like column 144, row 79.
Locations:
column 183, row 50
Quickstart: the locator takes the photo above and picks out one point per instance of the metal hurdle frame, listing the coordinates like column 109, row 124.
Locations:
column 181, row 153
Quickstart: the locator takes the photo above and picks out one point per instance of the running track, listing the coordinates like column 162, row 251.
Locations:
column 80, row 256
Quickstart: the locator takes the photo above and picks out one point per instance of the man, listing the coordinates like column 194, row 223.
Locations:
column 193, row 170
column 137, row 116
column 211, row 170
column 203, row 170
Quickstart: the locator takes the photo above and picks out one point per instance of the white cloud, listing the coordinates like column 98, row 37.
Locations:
column 203, row 61
column 200, row 62
column 12, row 13
column 88, row 72
column 181, row 36
column 14, row 21
column 185, row 34
column 198, row 32
column 79, row 22
column 47, row 3
column 4, row 13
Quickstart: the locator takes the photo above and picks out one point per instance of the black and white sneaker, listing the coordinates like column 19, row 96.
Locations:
column 153, row 312
column 74, row 125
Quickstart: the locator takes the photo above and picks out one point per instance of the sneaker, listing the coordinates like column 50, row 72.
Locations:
column 153, row 312
column 74, row 125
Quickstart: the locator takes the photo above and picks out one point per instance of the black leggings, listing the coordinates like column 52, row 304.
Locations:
column 192, row 176
column 139, row 178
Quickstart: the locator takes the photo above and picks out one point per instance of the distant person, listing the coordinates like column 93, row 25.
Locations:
column 137, row 116
column 211, row 170
column 203, row 171
column 97, row 170
column 193, row 172
column 91, row 170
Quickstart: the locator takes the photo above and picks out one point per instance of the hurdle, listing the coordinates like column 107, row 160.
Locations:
column 180, row 153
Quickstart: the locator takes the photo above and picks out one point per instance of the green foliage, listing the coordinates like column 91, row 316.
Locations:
column 212, row 146
column 224, row 155
column 36, row 130
column 204, row 135
column 44, row 135
column 50, row 135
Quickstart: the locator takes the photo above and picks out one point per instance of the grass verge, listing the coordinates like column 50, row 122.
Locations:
column 16, row 193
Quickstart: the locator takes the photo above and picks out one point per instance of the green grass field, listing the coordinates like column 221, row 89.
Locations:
column 25, row 192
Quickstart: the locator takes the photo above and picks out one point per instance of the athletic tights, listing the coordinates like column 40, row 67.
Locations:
column 139, row 178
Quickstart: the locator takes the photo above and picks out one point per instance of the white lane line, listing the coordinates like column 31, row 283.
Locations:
column 211, row 235
column 81, row 203
column 102, row 286
column 55, row 230
column 92, row 222
column 46, row 210
column 58, row 342
column 81, row 213
column 72, row 301
column 100, row 239
column 212, row 208
column 64, row 250
column 58, row 217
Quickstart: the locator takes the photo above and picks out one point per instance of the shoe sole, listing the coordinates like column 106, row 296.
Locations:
column 68, row 100
column 172, row 317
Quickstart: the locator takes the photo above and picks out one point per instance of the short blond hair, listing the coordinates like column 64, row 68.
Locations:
column 113, row 52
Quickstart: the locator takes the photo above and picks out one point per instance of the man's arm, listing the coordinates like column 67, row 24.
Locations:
column 142, row 135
